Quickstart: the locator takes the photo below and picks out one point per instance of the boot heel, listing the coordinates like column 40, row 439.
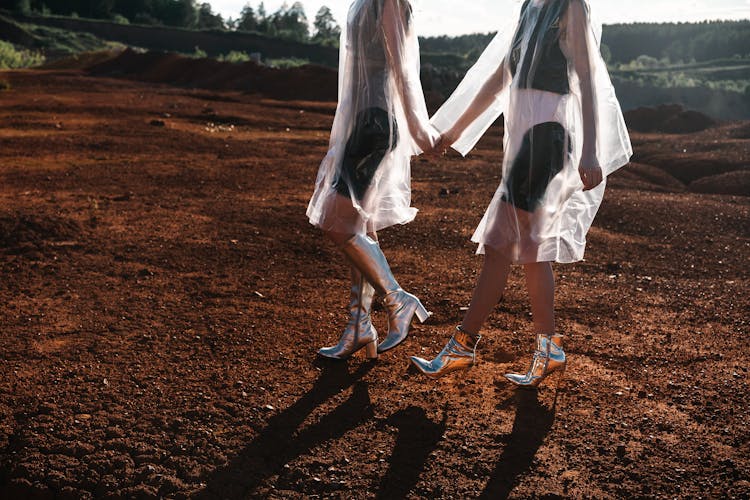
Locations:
column 560, row 382
column 549, row 361
column 371, row 349
column 421, row 312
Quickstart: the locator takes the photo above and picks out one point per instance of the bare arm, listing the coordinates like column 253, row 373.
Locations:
column 481, row 101
column 578, row 41
column 394, row 28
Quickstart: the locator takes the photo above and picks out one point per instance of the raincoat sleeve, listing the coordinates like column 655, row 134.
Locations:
column 606, row 143
column 402, row 52
column 482, row 96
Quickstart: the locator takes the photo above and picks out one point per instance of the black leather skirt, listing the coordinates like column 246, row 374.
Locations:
column 374, row 135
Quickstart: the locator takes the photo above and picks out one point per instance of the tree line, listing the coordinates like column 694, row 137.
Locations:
column 678, row 42
column 625, row 43
column 621, row 43
column 289, row 22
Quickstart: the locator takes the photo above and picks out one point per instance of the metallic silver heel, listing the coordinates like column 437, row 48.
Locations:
column 422, row 313
column 359, row 332
column 367, row 256
column 548, row 358
column 402, row 307
column 560, row 383
column 458, row 354
column 371, row 351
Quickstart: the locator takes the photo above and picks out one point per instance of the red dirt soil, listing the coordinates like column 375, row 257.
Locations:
column 163, row 297
column 308, row 82
column 668, row 118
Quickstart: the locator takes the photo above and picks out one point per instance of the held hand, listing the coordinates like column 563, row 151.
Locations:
column 449, row 137
column 424, row 142
column 590, row 176
column 428, row 140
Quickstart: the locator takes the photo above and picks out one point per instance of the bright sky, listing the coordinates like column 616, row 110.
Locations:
column 455, row 17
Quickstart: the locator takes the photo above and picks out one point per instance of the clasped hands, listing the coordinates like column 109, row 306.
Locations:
column 591, row 174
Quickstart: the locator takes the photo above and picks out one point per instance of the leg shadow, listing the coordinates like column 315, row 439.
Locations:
column 417, row 437
column 532, row 423
column 280, row 441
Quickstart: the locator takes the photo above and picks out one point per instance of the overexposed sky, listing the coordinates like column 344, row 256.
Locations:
column 455, row 17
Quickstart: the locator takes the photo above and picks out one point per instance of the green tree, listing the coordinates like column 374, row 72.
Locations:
column 290, row 22
column 262, row 17
column 247, row 20
column 207, row 19
column 182, row 13
column 23, row 6
column 326, row 29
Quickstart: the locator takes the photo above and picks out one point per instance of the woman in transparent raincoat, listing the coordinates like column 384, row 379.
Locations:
column 363, row 183
column 564, row 134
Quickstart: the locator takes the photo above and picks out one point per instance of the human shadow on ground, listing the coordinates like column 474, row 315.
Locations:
column 417, row 437
column 531, row 426
column 281, row 441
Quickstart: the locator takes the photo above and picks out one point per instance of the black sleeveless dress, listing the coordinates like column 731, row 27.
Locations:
column 537, row 62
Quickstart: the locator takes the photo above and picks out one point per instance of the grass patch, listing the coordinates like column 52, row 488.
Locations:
column 731, row 75
column 61, row 43
column 13, row 58
column 285, row 63
column 235, row 56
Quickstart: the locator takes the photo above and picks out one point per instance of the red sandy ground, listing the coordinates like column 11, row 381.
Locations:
column 163, row 296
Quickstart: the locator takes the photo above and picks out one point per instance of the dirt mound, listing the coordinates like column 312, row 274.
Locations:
column 667, row 118
column 735, row 183
column 83, row 60
column 688, row 169
column 21, row 230
column 741, row 132
column 309, row 82
column 646, row 177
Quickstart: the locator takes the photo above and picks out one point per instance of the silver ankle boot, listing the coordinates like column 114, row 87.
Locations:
column 458, row 354
column 548, row 359
column 366, row 256
column 359, row 332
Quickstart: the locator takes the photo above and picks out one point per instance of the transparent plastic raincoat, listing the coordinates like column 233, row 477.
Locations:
column 545, row 74
column 363, row 183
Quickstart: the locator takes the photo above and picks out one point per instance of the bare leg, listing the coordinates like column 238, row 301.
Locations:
column 338, row 238
column 460, row 352
column 540, row 282
column 490, row 287
column 549, row 356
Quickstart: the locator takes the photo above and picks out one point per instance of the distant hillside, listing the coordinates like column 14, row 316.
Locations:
column 163, row 38
column 706, row 41
column 642, row 56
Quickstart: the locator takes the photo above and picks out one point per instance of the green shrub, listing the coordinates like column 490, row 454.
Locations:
column 235, row 56
column 10, row 58
column 288, row 62
column 120, row 19
column 198, row 53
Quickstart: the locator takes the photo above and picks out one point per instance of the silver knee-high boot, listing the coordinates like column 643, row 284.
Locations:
column 366, row 256
column 548, row 358
column 460, row 353
column 359, row 332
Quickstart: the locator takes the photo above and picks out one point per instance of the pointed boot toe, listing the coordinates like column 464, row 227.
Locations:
column 422, row 365
column 458, row 354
